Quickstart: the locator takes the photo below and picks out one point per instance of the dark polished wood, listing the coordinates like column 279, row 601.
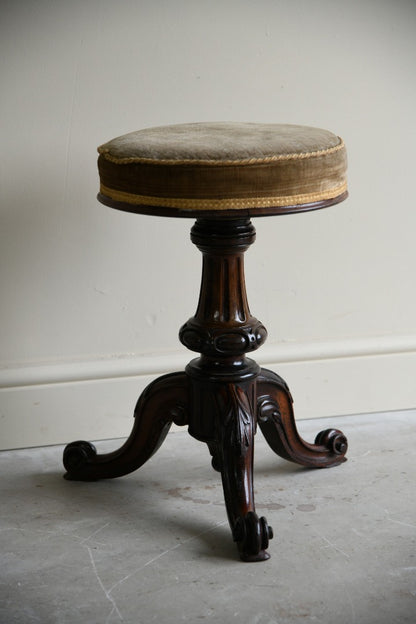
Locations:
column 277, row 423
column 164, row 401
column 221, row 396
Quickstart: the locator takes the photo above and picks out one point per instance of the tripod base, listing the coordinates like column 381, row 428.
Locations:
column 221, row 396
column 224, row 415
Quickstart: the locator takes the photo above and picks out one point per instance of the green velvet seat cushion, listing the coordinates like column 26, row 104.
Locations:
column 223, row 169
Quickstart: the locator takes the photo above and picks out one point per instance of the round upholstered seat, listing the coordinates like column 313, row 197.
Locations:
column 223, row 169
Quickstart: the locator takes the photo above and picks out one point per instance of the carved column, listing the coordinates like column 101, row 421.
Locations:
column 223, row 329
column 223, row 379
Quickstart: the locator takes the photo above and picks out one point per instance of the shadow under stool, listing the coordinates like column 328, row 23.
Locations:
column 221, row 175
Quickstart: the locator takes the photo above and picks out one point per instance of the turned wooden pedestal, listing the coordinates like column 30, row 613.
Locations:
column 222, row 395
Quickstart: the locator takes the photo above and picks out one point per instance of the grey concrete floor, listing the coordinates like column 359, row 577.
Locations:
column 156, row 546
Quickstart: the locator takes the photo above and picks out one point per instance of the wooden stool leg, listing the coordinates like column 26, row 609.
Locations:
column 221, row 395
column 236, row 431
column 164, row 401
column 277, row 422
column 223, row 414
column 223, row 406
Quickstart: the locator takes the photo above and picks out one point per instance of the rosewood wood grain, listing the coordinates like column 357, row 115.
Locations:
column 223, row 404
column 277, row 423
column 164, row 401
column 221, row 396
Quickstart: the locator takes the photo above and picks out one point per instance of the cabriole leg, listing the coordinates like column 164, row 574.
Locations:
column 222, row 415
column 277, row 422
column 164, row 401
column 236, row 434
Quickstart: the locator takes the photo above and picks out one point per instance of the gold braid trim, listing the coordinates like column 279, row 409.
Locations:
column 247, row 161
column 222, row 204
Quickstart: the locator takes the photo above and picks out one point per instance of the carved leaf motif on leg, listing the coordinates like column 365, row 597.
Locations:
column 239, row 420
column 236, row 433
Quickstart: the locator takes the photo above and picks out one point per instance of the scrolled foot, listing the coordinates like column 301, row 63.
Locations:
column 164, row 401
column 77, row 455
column 252, row 535
column 334, row 440
column 277, row 422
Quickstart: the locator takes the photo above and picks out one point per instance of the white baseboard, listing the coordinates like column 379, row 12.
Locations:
column 55, row 403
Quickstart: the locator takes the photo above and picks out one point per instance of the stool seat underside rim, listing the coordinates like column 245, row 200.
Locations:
column 163, row 211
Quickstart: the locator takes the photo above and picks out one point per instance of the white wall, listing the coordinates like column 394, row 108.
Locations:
column 92, row 299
